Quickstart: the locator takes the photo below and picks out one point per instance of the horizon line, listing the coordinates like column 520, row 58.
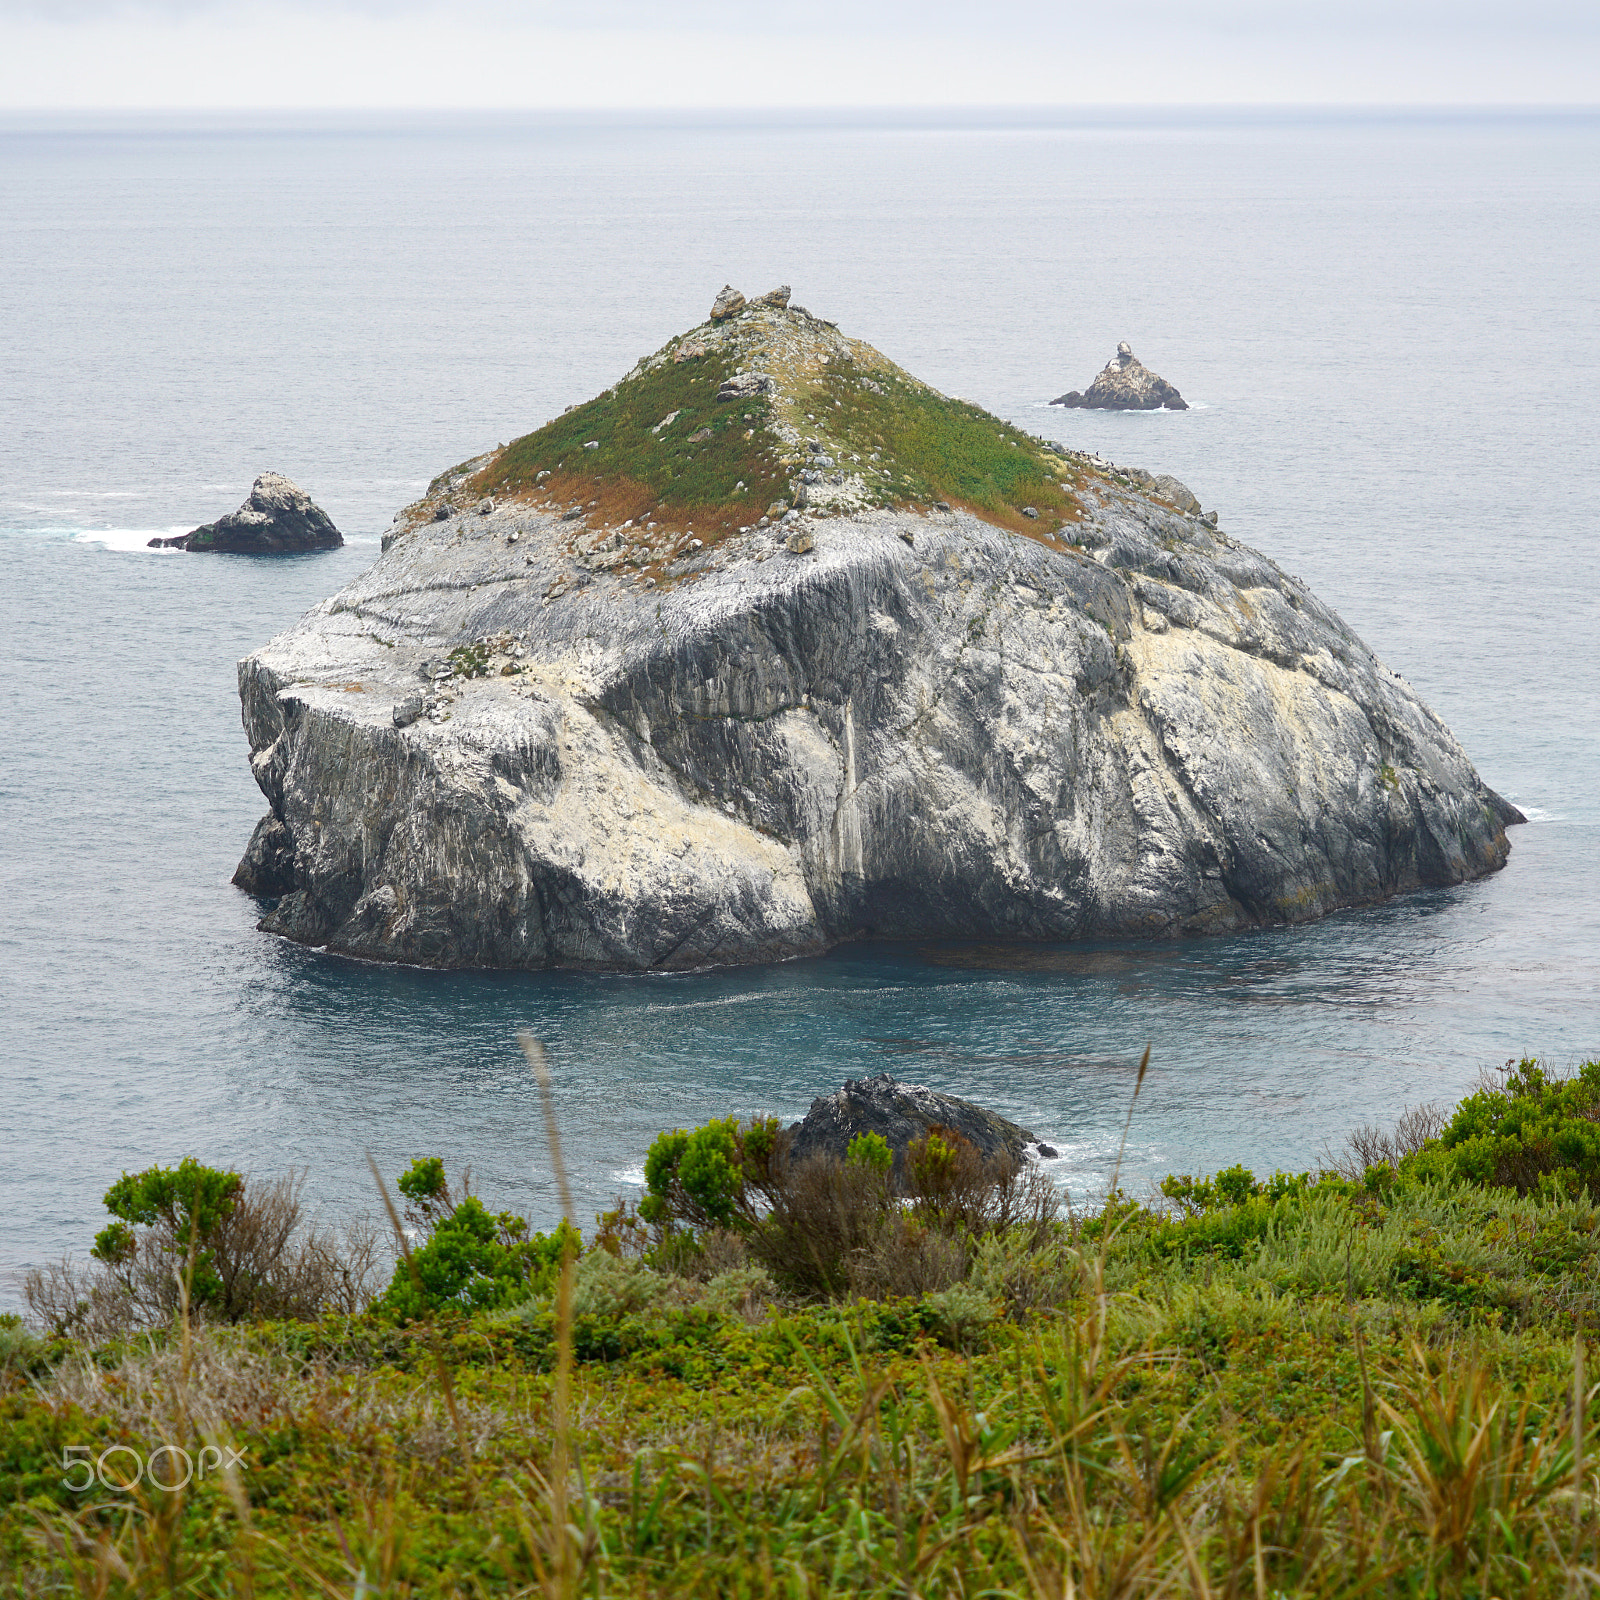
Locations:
column 767, row 111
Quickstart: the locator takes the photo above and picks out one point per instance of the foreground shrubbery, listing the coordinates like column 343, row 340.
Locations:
column 1367, row 1381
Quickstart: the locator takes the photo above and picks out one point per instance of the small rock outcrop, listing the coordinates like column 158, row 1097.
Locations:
column 1125, row 384
column 279, row 518
column 729, row 303
column 899, row 1113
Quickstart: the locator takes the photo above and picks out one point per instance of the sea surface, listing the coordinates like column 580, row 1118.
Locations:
column 1389, row 331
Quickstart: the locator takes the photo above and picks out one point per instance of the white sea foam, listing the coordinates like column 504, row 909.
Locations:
column 131, row 539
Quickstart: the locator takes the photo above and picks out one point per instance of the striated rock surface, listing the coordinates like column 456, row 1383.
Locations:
column 1125, row 384
column 899, row 1113
column 745, row 679
column 279, row 518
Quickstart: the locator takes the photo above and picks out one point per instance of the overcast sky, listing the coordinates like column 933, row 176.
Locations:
column 677, row 53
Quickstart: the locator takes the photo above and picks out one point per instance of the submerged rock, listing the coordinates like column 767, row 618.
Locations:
column 898, row 1113
column 1125, row 384
column 277, row 519
column 656, row 739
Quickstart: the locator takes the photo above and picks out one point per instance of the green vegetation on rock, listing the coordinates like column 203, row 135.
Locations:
column 774, row 408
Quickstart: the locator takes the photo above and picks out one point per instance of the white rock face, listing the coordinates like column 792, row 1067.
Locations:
column 923, row 726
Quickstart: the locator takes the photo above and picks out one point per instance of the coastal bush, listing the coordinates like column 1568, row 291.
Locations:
column 470, row 661
column 1198, row 1197
column 826, row 1228
column 719, row 1175
column 1284, row 1386
column 1372, row 1146
column 1536, row 1132
column 469, row 1258
column 232, row 1250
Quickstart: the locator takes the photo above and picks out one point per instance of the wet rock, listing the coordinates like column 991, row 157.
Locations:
column 900, row 1113
column 1125, row 384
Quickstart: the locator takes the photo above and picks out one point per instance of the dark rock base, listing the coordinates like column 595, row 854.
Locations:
column 899, row 1113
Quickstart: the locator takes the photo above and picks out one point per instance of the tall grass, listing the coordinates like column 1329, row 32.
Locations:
column 1290, row 1408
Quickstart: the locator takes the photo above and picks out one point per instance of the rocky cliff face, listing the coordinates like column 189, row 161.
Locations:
column 579, row 718
column 278, row 518
column 1125, row 383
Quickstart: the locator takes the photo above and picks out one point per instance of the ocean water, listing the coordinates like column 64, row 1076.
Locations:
column 1388, row 327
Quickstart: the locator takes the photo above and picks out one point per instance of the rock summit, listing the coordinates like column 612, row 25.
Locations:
column 278, row 518
column 771, row 645
column 1125, row 384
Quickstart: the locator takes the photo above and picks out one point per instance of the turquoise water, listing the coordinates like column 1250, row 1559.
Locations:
column 1388, row 329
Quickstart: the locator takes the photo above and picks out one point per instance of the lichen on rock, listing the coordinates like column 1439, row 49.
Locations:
column 756, row 675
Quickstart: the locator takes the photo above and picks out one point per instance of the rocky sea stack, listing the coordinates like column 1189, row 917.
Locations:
column 277, row 519
column 771, row 645
column 1125, row 384
column 900, row 1113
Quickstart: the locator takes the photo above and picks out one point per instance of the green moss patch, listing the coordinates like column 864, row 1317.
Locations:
column 712, row 465
column 934, row 448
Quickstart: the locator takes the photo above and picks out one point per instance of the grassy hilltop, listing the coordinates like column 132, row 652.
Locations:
column 1372, row 1380
column 660, row 452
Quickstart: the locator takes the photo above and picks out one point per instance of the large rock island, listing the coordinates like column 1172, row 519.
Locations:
column 771, row 645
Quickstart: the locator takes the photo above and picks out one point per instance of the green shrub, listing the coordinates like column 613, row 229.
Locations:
column 719, row 1176
column 1537, row 1133
column 472, row 1259
column 1198, row 1197
column 184, row 1207
column 869, row 1150
column 470, row 660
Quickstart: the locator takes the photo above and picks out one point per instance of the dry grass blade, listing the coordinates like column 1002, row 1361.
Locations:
column 447, row 1386
column 571, row 1549
column 1138, row 1084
